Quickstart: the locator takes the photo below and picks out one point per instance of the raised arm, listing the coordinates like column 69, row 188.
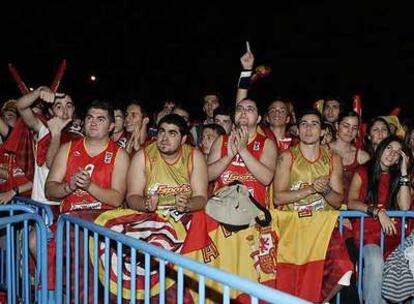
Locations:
column 4, row 128
column 247, row 62
column 55, row 125
column 25, row 102
column 404, row 193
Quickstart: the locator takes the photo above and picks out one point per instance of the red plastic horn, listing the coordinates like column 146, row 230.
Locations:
column 357, row 105
column 20, row 83
column 58, row 77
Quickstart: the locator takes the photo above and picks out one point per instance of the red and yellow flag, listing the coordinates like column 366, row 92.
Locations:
column 301, row 251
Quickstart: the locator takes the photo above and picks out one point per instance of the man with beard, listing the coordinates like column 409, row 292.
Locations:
column 167, row 188
column 331, row 110
column 168, row 173
column 245, row 155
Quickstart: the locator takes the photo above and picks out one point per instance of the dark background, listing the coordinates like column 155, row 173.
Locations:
column 160, row 51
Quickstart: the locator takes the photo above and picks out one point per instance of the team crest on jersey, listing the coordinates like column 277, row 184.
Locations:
column 89, row 168
column 256, row 146
column 108, row 157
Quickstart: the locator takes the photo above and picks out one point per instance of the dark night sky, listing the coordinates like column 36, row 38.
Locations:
column 314, row 49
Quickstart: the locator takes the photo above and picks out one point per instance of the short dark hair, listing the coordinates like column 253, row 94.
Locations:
column 102, row 105
column 310, row 111
column 138, row 103
column 337, row 99
column 215, row 93
column 177, row 120
column 215, row 127
column 222, row 110
column 347, row 113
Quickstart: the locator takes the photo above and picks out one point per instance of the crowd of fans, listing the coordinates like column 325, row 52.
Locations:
column 324, row 158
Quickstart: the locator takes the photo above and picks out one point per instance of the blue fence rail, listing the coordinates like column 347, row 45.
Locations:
column 15, row 230
column 403, row 215
column 128, row 244
column 14, row 263
column 43, row 210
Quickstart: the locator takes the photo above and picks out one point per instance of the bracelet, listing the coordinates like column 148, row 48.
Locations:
column 373, row 212
column 244, row 80
column 404, row 178
column 326, row 191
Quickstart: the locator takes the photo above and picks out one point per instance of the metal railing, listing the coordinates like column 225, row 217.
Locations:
column 403, row 215
column 133, row 246
column 15, row 268
column 42, row 209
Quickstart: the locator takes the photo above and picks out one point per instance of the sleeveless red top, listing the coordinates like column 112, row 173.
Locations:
column 100, row 168
column 237, row 170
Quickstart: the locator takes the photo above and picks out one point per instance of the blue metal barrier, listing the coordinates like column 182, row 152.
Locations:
column 90, row 230
column 361, row 216
column 124, row 244
column 16, row 266
column 43, row 210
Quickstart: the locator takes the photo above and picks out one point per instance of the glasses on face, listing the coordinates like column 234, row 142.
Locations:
column 248, row 109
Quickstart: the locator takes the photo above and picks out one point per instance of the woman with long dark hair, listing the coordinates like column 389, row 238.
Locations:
column 383, row 184
column 377, row 130
column 352, row 157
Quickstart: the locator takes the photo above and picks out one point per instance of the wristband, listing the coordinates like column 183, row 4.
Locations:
column 404, row 178
column 244, row 79
column 404, row 183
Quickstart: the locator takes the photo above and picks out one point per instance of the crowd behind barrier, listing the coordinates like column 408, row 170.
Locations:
column 15, row 274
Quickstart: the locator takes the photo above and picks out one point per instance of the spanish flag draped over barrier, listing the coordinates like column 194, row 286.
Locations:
column 303, row 243
column 288, row 255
